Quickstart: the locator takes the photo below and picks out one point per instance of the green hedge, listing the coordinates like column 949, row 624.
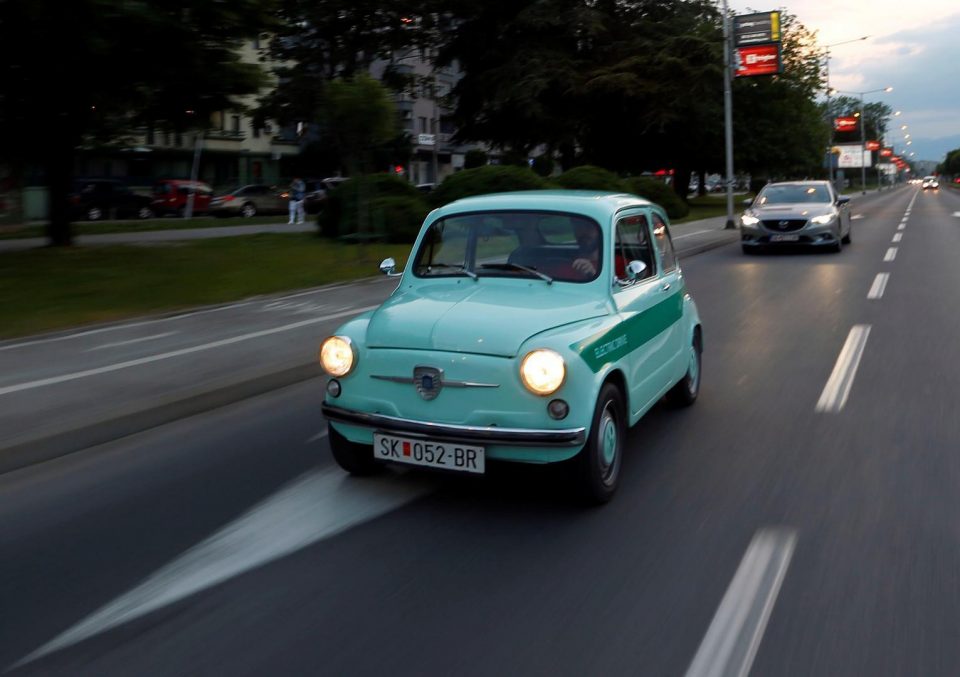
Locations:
column 660, row 193
column 395, row 209
column 483, row 180
column 589, row 177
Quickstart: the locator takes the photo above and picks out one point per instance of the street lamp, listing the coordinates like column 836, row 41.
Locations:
column 827, row 55
column 863, row 140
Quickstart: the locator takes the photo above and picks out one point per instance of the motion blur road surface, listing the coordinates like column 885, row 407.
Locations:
column 800, row 519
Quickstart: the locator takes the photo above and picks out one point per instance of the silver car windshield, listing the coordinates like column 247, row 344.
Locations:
column 546, row 245
column 778, row 195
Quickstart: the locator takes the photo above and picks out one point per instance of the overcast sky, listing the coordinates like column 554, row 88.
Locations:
column 914, row 47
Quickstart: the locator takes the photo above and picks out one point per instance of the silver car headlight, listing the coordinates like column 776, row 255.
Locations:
column 542, row 371
column 748, row 220
column 823, row 220
column 338, row 356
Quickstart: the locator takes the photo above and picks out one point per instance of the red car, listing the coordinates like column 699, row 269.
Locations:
column 170, row 196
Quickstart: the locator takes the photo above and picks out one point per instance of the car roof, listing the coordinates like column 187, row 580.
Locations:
column 597, row 204
column 799, row 183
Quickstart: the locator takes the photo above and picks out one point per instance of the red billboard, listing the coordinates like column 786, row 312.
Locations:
column 873, row 145
column 886, row 152
column 758, row 60
column 845, row 124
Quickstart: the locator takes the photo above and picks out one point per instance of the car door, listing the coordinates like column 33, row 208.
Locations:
column 670, row 349
column 635, row 301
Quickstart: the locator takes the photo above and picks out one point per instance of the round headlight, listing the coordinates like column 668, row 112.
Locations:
column 542, row 371
column 337, row 356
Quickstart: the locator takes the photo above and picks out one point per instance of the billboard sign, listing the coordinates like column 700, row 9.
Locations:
column 853, row 156
column 759, row 60
column 872, row 145
column 886, row 152
column 755, row 29
column 845, row 124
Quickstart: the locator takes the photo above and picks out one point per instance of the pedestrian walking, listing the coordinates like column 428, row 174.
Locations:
column 298, row 192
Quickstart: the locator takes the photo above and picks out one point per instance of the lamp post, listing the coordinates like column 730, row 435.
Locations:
column 863, row 139
column 829, row 113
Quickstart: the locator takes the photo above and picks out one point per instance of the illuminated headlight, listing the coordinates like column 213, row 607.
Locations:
column 542, row 371
column 748, row 220
column 337, row 355
column 822, row 220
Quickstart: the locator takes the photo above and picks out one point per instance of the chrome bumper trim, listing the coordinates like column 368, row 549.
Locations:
column 521, row 437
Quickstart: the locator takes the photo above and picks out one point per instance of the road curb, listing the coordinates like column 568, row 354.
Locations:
column 57, row 443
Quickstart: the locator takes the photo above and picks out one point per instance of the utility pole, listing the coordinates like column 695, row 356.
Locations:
column 728, row 116
column 194, row 175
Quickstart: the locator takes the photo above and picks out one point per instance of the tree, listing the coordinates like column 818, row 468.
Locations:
column 92, row 71
column 360, row 116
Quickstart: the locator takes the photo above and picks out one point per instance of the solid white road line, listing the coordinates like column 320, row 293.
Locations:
column 891, row 254
column 175, row 353
column 699, row 232
column 313, row 507
column 878, row 286
column 837, row 389
column 897, row 237
column 136, row 340
column 737, row 628
column 318, row 436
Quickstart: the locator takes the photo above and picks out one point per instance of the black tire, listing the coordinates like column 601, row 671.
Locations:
column 598, row 464
column 846, row 238
column 145, row 213
column 837, row 247
column 356, row 459
column 687, row 389
column 248, row 210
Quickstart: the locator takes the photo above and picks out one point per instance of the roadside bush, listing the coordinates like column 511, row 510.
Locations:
column 590, row 177
column 380, row 193
column 483, row 180
column 543, row 165
column 474, row 158
column 659, row 193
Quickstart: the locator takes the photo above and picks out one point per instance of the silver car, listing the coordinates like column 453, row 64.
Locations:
column 797, row 213
column 249, row 201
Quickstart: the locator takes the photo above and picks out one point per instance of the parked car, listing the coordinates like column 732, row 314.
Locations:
column 249, row 201
column 170, row 196
column 96, row 199
column 532, row 327
column 930, row 183
column 317, row 192
column 798, row 213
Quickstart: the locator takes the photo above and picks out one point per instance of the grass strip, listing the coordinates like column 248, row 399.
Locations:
column 47, row 289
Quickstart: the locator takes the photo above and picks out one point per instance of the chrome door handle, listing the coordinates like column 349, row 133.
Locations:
column 665, row 286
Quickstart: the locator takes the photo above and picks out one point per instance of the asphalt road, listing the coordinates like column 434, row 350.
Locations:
column 800, row 516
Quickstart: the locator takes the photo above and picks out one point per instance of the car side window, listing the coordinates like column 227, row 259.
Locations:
column 633, row 244
column 661, row 235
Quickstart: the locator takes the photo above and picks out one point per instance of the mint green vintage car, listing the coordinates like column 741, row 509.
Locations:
column 532, row 327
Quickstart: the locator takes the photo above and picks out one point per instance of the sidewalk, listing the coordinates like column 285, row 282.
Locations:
column 70, row 390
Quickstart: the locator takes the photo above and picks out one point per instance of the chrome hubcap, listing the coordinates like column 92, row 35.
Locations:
column 609, row 443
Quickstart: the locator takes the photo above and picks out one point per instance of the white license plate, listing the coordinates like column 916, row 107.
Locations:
column 446, row 455
column 784, row 238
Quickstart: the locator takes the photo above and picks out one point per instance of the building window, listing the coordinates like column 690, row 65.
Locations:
column 166, row 138
column 236, row 124
column 423, row 125
column 151, row 137
column 256, row 131
column 178, row 140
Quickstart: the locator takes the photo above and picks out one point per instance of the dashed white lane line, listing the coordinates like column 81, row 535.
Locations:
column 737, row 628
column 878, row 286
column 957, row 214
column 856, row 217
column 63, row 378
column 837, row 390
column 319, row 436
column 901, row 226
column 897, row 237
column 891, row 254
column 117, row 344
column 313, row 507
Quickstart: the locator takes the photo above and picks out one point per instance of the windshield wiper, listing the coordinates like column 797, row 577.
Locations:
column 517, row 266
column 455, row 266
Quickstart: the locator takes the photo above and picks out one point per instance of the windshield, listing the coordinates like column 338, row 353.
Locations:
column 545, row 245
column 778, row 195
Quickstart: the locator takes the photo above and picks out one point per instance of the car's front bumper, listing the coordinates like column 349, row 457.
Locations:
column 811, row 235
column 492, row 435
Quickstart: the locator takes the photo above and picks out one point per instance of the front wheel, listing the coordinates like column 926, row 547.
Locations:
column 685, row 392
column 145, row 213
column 94, row 213
column 356, row 459
column 248, row 210
column 598, row 466
column 846, row 238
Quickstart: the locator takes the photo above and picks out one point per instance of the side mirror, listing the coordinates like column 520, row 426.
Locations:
column 388, row 267
column 843, row 199
column 634, row 271
column 748, row 202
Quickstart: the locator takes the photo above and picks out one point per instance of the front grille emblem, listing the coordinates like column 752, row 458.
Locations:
column 428, row 381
